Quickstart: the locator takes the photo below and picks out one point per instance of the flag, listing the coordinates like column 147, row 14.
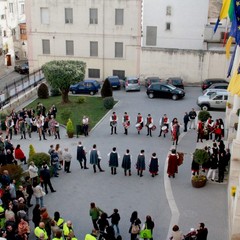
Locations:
column 231, row 62
column 235, row 27
column 228, row 47
column 230, row 10
column 225, row 9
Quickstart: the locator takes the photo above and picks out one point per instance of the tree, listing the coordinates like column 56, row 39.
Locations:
column 31, row 150
column 61, row 74
column 106, row 90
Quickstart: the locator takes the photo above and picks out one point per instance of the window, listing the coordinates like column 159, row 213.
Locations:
column 4, row 33
column 118, row 16
column 93, row 49
column 23, row 31
column 44, row 15
column 22, row 8
column 119, row 73
column 151, row 39
column 69, row 47
column 93, row 73
column 93, row 14
column 11, row 7
column 68, row 15
column 13, row 32
column 168, row 11
column 3, row 16
column 118, row 49
column 168, row 26
column 46, row 46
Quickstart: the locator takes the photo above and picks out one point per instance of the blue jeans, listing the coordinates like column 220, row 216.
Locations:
column 40, row 201
column 116, row 228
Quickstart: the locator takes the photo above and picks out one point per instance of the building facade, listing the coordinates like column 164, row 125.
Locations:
column 174, row 24
column 105, row 34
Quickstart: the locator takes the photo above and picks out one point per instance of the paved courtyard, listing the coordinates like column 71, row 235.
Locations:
column 168, row 201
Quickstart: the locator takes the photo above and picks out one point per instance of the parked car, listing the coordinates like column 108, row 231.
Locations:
column 210, row 91
column 208, row 82
column 176, row 81
column 150, row 80
column 114, row 81
column 22, row 68
column 164, row 90
column 218, row 86
column 216, row 100
column 87, row 86
column 132, row 84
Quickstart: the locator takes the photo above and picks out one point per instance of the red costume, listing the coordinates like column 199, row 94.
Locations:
column 172, row 165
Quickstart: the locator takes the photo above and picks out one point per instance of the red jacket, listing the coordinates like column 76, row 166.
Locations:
column 19, row 154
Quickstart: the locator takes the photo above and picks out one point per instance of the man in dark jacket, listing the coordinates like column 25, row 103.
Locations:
column 202, row 232
column 185, row 120
column 45, row 177
column 81, row 156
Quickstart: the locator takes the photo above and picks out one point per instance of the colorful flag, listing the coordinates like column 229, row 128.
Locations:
column 228, row 47
column 225, row 9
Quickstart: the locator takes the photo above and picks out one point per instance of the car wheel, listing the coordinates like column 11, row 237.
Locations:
column 205, row 107
column 150, row 95
column 174, row 97
column 73, row 92
column 91, row 93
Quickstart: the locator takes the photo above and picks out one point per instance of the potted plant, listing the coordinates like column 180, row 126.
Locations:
column 70, row 129
column 200, row 156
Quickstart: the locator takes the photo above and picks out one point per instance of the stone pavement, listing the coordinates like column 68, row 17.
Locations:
column 168, row 201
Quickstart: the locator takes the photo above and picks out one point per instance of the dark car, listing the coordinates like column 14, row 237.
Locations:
column 87, row 86
column 164, row 90
column 114, row 81
column 208, row 82
column 175, row 81
column 22, row 68
column 150, row 80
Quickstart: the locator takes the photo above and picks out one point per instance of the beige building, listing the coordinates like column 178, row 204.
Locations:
column 106, row 34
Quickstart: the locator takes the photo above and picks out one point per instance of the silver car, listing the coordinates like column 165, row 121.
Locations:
column 132, row 84
column 210, row 91
column 216, row 100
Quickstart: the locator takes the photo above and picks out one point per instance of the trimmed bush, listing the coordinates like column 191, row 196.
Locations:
column 108, row 102
column 39, row 159
column 81, row 100
column 65, row 115
column 70, row 129
column 43, row 92
column 15, row 171
column 200, row 156
column 31, row 150
column 106, row 90
column 203, row 115
column 55, row 92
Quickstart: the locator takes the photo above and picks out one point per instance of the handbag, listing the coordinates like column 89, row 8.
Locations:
column 135, row 229
column 145, row 233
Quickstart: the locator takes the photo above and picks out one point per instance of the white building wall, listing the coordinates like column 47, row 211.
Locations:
column 188, row 19
column 106, row 33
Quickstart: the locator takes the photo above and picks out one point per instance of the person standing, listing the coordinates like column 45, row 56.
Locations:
column 113, row 123
column 54, row 162
column 81, row 156
column 200, row 131
column 115, row 218
column 33, row 171
column 153, row 166
column 29, row 190
column 113, row 161
column 38, row 194
column 67, row 157
column 175, row 129
column 45, row 176
column 135, row 225
column 60, row 155
column 95, row 158
column 213, row 167
column 126, row 122
column 202, row 232
column 94, row 212
column 172, row 164
column 85, row 125
column 126, row 163
column 185, row 121
column 19, row 155
column 164, row 125
column 192, row 115
column 22, row 127
column 221, row 166
column 139, row 124
column 140, row 163
column 149, row 224
column 176, row 233
column 149, row 124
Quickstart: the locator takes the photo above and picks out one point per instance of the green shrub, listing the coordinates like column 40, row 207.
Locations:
column 108, row 102
column 203, row 115
column 81, row 100
column 43, row 92
column 55, row 92
column 200, row 156
column 39, row 158
column 70, row 129
column 31, row 150
column 65, row 115
column 106, row 90
column 15, row 171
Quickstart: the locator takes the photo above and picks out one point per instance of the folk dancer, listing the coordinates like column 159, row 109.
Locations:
column 209, row 126
column 85, row 125
column 139, row 124
column 175, row 130
column 164, row 125
column 149, row 125
column 113, row 160
column 126, row 163
column 200, row 131
column 113, row 123
column 126, row 122
column 95, row 158
column 39, row 123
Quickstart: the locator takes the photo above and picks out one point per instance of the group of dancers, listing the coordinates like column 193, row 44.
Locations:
column 164, row 124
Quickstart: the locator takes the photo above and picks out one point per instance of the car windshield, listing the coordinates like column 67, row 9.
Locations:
column 132, row 81
column 154, row 80
column 95, row 84
column 213, row 95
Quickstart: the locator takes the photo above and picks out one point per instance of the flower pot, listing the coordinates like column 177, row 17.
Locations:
column 199, row 183
column 70, row 135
